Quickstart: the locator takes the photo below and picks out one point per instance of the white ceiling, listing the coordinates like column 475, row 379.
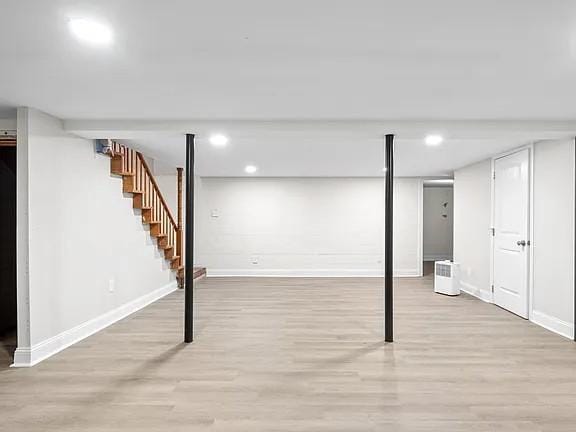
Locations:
column 286, row 63
column 321, row 148
column 302, row 59
column 304, row 156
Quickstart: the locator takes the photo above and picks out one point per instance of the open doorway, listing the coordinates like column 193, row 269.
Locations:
column 438, row 224
column 7, row 251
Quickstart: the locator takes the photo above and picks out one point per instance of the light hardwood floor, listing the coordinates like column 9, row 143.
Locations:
column 303, row 355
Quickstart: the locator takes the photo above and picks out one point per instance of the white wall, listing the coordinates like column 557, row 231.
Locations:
column 305, row 226
column 408, row 228
column 168, row 186
column 552, row 296
column 438, row 222
column 167, row 180
column 8, row 124
column 472, row 204
column 553, row 241
column 82, row 232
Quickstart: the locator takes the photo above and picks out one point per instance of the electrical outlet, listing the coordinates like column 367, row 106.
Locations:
column 255, row 260
column 111, row 285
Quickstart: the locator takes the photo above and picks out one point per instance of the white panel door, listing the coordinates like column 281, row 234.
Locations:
column 511, row 213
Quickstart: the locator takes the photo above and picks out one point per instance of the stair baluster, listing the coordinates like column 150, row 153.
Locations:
column 139, row 181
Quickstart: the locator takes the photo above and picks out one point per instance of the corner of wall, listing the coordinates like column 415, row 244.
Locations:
column 53, row 214
column 23, row 228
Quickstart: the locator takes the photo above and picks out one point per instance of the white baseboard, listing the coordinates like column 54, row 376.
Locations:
column 26, row 357
column 476, row 292
column 308, row 273
column 437, row 257
column 553, row 324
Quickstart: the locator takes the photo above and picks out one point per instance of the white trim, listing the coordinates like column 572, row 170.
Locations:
column 531, row 232
column 420, row 251
column 553, row 324
column 491, row 229
column 309, row 273
column 477, row 292
column 26, row 357
column 573, row 244
column 22, row 229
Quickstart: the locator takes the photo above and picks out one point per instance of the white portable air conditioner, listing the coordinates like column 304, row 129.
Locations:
column 447, row 278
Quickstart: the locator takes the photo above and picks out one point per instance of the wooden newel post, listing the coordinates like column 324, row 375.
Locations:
column 179, row 232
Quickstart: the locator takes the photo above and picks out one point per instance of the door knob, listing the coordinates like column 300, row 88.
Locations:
column 521, row 243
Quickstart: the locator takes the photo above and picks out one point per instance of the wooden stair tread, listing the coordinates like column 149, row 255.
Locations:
column 196, row 274
column 196, row 269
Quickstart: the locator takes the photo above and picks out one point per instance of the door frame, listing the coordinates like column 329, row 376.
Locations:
column 530, row 148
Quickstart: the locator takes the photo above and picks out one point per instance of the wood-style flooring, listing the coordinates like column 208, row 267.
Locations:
column 300, row 354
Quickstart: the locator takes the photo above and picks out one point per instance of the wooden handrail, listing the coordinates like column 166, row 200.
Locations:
column 153, row 180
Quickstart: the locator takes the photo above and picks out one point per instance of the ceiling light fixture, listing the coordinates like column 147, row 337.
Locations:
column 433, row 140
column 90, row 31
column 439, row 182
column 250, row 169
column 218, row 140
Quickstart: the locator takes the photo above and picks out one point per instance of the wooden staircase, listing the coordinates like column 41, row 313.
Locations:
column 137, row 179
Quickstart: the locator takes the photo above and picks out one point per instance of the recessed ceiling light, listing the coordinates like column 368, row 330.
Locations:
column 90, row 31
column 250, row 169
column 218, row 140
column 433, row 140
column 439, row 182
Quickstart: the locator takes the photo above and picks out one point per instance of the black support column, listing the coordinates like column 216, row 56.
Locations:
column 389, row 241
column 189, row 243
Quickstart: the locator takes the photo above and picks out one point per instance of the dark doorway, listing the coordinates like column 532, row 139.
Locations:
column 7, row 253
